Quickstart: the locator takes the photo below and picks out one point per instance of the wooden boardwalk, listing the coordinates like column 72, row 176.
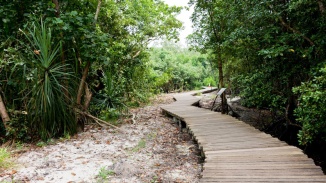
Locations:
column 237, row 152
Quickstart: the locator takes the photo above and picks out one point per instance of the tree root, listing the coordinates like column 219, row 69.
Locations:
column 98, row 121
column 133, row 119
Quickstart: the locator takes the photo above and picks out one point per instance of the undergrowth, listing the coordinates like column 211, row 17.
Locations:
column 5, row 160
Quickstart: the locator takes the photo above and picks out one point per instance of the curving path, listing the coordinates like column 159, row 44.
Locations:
column 237, row 152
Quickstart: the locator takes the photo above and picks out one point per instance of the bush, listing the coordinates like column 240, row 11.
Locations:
column 209, row 81
column 311, row 113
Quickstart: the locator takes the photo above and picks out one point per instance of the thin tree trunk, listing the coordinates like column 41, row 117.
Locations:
column 57, row 8
column 321, row 6
column 88, row 97
column 291, row 105
column 97, row 10
column 80, row 119
column 289, row 113
column 220, row 67
column 82, row 83
column 88, row 64
column 224, row 108
column 3, row 112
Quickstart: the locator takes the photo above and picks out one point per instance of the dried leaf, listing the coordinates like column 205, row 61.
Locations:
column 13, row 172
column 40, row 178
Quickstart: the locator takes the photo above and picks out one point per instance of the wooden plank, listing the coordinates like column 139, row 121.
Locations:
column 237, row 152
column 262, row 173
column 229, row 133
column 255, row 166
column 259, row 180
column 267, row 177
column 263, row 150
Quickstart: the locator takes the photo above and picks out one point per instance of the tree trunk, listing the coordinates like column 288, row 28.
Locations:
column 291, row 103
column 88, row 64
column 81, row 119
column 82, row 83
column 57, row 8
column 97, row 10
column 88, row 97
column 321, row 6
column 224, row 109
column 3, row 112
column 289, row 112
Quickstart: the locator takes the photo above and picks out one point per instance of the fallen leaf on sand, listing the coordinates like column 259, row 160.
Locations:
column 161, row 156
column 40, row 178
column 13, row 172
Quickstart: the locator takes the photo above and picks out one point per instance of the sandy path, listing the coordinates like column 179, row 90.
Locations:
column 152, row 150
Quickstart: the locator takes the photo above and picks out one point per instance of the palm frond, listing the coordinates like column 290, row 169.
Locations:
column 50, row 107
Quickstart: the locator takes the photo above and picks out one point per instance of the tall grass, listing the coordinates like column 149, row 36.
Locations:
column 5, row 161
column 50, row 106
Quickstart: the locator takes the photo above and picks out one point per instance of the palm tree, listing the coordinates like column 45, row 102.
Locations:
column 50, row 105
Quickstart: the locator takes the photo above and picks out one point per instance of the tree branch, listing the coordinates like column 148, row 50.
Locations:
column 136, row 54
column 97, row 10
column 133, row 119
column 296, row 31
column 210, row 13
column 97, row 119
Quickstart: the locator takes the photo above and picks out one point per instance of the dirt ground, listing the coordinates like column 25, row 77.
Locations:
column 149, row 149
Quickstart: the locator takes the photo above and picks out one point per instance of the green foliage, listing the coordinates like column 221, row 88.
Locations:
column 110, row 93
column 18, row 127
column 267, row 48
column 39, row 90
column 41, row 144
column 141, row 144
column 256, row 92
column 311, row 113
column 209, row 81
column 154, row 179
column 103, row 174
column 108, row 103
column 152, row 136
column 49, row 105
column 5, row 159
column 163, row 82
column 174, row 68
